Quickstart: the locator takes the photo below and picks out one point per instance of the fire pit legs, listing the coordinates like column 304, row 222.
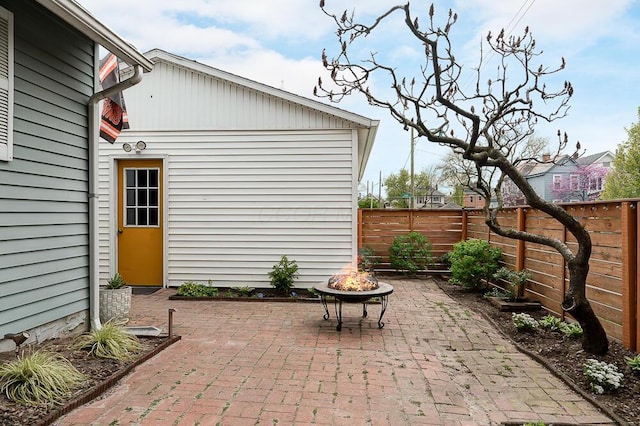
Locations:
column 384, row 301
column 339, row 296
column 323, row 298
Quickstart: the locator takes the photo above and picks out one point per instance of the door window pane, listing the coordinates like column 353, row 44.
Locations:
column 130, row 178
column 153, row 178
column 142, row 177
column 153, row 217
column 142, row 197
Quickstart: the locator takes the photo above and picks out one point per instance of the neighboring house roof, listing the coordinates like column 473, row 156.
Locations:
column 79, row 18
column 367, row 127
column 594, row 158
column 535, row 168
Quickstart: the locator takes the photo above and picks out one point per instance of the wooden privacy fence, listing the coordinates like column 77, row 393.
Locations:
column 613, row 283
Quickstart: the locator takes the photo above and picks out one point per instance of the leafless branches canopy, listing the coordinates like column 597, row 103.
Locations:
column 485, row 122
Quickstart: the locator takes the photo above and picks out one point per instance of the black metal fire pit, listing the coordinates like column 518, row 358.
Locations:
column 354, row 296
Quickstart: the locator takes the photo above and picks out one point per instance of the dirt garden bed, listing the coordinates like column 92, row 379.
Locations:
column 101, row 375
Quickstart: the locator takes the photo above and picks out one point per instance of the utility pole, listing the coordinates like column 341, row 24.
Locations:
column 380, row 190
column 412, row 186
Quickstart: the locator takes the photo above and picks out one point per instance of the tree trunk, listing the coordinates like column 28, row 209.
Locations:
column 594, row 340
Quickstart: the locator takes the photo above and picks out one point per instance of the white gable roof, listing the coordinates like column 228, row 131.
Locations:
column 366, row 127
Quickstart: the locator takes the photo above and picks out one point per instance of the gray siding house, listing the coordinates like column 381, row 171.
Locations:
column 565, row 179
column 48, row 135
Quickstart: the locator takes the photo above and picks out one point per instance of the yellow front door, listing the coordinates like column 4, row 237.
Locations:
column 140, row 221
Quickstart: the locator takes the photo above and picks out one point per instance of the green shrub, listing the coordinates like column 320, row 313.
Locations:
column 192, row 289
column 243, row 291
column 551, row 322
column 473, row 261
column 40, row 378
column 633, row 363
column 516, row 281
column 572, row 330
column 366, row 259
column 116, row 282
column 410, row 252
column 111, row 341
column 283, row 275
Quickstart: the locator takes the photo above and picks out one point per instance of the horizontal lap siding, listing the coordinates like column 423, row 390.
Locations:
column 44, row 259
column 238, row 201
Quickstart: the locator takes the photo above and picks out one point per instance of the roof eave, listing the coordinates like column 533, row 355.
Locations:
column 80, row 19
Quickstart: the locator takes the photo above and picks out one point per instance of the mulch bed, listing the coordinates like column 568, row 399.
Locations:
column 101, row 375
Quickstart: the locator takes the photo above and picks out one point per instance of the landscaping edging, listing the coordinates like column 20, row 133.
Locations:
column 250, row 299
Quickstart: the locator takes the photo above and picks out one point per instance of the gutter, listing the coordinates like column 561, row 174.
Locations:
column 94, row 137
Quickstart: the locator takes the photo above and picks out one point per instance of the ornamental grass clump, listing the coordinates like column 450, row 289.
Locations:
column 111, row 341
column 524, row 322
column 39, row 379
column 603, row 377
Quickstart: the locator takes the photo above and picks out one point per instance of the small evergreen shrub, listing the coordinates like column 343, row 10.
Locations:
column 40, row 378
column 473, row 261
column 283, row 275
column 410, row 253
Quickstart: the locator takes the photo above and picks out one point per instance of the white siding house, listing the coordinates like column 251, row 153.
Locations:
column 246, row 173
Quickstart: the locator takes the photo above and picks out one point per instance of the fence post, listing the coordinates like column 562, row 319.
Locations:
column 629, row 275
column 521, row 218
column 465, row 224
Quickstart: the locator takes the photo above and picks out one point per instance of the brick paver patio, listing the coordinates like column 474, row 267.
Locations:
column 241, row 363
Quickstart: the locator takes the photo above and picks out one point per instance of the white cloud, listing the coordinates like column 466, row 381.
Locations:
column 278, row 42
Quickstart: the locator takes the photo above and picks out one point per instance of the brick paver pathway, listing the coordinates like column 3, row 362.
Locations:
column 241, row 363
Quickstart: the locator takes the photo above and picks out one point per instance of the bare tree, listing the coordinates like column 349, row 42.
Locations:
column 485, row 125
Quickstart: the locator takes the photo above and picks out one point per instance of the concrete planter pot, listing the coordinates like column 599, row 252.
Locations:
column 115, row 304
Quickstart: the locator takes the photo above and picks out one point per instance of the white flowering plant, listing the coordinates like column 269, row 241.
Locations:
column 524, row 321
column 603, row 377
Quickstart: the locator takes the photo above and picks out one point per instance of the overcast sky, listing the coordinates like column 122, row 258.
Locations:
column 279, row 43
